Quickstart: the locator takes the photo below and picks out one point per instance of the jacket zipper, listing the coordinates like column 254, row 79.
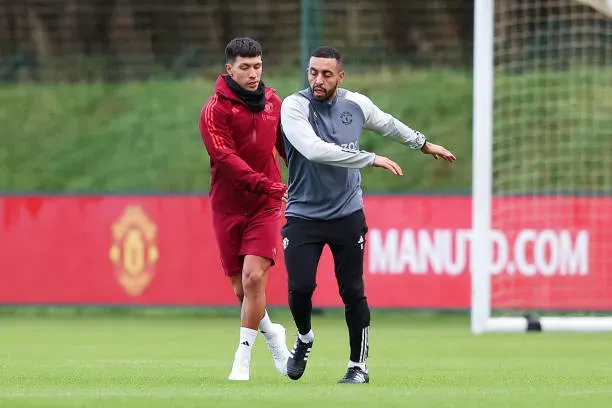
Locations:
column 247, row 208
column 254, row 127
column 330, row 119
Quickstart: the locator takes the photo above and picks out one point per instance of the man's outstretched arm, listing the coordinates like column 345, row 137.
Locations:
column 386, row 125
column 217, row 137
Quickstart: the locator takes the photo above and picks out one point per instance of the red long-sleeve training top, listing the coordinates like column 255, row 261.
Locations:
column 242, row 146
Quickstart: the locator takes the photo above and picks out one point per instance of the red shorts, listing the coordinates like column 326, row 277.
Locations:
column 239, row 235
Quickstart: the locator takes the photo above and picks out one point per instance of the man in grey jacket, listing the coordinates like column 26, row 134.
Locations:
column 322, row 126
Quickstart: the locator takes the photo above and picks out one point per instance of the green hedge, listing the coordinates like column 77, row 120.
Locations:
column 144, row 136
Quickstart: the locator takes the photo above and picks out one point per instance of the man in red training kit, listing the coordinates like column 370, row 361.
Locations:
column 240, row 127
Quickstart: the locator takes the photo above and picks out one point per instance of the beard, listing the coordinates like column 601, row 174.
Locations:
column 324, row 97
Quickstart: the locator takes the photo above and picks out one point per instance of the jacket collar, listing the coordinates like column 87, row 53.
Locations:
column 223, row 89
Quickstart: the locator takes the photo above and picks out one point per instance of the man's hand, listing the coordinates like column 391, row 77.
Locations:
column 278, row 191
column 437, row 152
column 285, row 197
column 385, row 163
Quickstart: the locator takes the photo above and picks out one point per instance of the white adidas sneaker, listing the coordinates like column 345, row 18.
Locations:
column 276, row 341
column 240, row 369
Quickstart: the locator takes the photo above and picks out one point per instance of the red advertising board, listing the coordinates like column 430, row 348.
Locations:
column 550, row 253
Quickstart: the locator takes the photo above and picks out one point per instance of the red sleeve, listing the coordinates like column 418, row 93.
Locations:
column 217, row 136
column 280, row 143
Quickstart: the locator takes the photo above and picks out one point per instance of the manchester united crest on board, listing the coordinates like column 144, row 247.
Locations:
column 134, row 251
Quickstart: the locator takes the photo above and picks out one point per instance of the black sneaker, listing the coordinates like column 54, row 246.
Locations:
column 355, row 375
column 296, row 364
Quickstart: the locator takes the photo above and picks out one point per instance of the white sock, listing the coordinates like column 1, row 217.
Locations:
column 308, row 337
column 363, row 366
column 265, row 325
column 247, row 339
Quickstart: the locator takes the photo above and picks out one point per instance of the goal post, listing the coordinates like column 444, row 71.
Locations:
column 542, row 166
column 482, row 167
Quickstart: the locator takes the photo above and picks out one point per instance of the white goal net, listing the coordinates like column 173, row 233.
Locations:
column 542, row 165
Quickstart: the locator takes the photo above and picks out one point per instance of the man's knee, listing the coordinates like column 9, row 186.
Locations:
column 298, row 288
column 253, row 277
column 353, row 294
column 254, row 272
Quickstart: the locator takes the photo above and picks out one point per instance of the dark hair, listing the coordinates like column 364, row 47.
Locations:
column 327, row 52
column 242, row 47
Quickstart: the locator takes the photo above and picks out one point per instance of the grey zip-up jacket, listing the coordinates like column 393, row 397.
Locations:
column 323, row 155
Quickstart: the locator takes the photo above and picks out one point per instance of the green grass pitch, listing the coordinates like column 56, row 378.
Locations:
column 175, row 360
